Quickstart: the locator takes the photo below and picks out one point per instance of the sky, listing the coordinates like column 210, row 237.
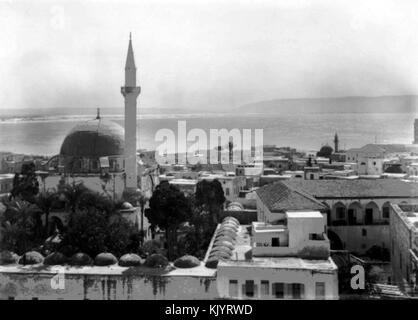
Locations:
column 204, row 55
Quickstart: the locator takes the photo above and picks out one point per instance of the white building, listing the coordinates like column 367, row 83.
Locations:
column 288, row 261
column 231, row 184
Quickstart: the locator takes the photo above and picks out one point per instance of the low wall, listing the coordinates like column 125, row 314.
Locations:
column 78, row 286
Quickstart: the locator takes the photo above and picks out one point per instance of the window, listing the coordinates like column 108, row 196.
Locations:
column 297, row 290
column 278, row 290
column 249, row 288
column 312, row 177
column 227, row 191
column 275, row 242
column 265, row 285
column 340, row 213
column 363, row 232
column 320, row 290
column 315, row 236
column 386, row 212
column 233, row 288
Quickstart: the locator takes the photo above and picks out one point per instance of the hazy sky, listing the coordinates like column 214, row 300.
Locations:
column 205, row 54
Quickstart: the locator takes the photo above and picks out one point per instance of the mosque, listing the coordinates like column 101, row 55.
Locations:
column 102, row 154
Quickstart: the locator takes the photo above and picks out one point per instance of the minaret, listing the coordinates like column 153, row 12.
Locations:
column 130, row 91
column 415, row 132
column 336, row 143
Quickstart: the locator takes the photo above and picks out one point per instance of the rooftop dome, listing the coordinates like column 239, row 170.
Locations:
column 94, row 139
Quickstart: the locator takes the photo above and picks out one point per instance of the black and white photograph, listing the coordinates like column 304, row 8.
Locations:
column 230, row 151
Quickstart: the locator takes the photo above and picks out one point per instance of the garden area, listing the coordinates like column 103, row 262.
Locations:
column 97, row 234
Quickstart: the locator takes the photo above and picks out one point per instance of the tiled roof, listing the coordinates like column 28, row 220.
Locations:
column 279, row 197
column 388, row 148
column 359, row 188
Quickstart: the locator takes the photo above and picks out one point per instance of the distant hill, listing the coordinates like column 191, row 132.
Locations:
column 383, row 104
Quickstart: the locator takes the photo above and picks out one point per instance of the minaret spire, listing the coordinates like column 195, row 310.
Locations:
column 130, row 68
column 130, row 92
column 336, row 142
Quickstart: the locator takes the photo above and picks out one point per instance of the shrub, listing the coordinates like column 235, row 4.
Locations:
column 152, row 246
column 315, row 253
column 187, row 261
column 130, row 260
column 8, row 257
column 156, row 261
column 55, row 258
column 31, row 257
column 105, row 259
column 81, row 259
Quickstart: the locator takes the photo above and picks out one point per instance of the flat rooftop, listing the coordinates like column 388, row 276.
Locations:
column 304, row 214
column 242, row 257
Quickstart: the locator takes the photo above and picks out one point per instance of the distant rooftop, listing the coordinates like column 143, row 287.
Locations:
column 359, row 188
column 280, row 197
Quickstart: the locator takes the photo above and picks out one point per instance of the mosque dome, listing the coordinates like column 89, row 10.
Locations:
column 94, row 139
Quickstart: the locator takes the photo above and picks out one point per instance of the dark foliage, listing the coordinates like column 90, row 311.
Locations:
column 21, row 227
column 91, row 232
column 25, row 184
column 169, row 208
column 55, row 258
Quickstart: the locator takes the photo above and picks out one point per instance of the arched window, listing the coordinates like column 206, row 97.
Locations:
column 385, row 210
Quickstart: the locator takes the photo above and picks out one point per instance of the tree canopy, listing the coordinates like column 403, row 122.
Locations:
column 169, row 208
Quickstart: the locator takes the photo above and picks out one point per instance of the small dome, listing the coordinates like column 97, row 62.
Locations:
column 187, row 261
column 126, row 205
column 235, row 206
column 130, row 260
column 94, row 139
column 81, row 259
column 325, row 151
column 31, row 257
column 105, row 259
column 156, row 261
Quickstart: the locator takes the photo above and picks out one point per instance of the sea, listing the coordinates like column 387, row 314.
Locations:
column 44, row 135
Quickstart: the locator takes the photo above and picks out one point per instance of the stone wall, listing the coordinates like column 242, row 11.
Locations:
column 79, row 286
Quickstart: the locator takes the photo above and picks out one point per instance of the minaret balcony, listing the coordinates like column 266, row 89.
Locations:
column 127, row 90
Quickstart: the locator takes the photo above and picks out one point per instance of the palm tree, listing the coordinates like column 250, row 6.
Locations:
column 21, row 226
column 45, row 201
column 72, row 195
